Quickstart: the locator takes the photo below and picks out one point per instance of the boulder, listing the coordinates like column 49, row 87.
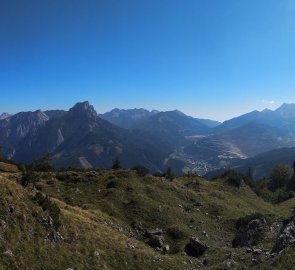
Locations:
column 156, row 241
column 286, row 237
column 155, row 238
column 249, row 233
column 195, row 247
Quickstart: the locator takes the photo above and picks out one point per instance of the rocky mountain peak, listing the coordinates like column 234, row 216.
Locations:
column 286, row 108
column 83, row 109
column 4, row 116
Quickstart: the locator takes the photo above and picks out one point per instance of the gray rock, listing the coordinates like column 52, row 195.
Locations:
column 195, row 247
column 205, row 234
column 286, row 237
column 96, row 254
column 8, row 252
column 155, row 232
column 130, row 245
column 249, row 233
column 155, row 238
column 55, row 237
column 156, row 241
column 257, row 251
column 166, row 248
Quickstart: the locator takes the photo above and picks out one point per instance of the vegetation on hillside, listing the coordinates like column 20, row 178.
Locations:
column 127, row 218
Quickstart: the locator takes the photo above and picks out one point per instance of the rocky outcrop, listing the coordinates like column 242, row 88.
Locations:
column 286, row 237
column 195, row 248
column 249, row 232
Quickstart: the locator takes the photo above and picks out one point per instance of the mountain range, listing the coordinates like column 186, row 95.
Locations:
column 158, row 140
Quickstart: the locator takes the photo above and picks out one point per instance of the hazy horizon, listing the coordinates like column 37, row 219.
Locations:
column 149, row 109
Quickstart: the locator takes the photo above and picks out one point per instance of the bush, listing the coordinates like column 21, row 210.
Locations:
column 43, row 164
column 116, row 165
column 30, row 177
column 141, row 170
column 159, row 174
column 279, row 176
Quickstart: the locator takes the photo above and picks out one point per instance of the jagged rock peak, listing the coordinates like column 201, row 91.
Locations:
column 84, row 108
column 4, row 116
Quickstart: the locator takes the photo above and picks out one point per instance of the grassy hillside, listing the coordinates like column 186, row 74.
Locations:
column 105, row 215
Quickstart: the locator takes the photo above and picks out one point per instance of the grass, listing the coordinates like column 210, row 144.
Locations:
column 103, row 212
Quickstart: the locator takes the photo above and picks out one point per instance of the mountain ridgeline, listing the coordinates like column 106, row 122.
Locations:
column 157, row 140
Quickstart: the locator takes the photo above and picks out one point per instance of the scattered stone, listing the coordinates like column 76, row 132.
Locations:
column 155, row 232
column 157, row 258
column 55, row 237
column 131, row 246
column 229, row 264
column 195, row 247
column 50, row 221
column 249, row 250
column 166, row 248
column 96, row 254
column 205, row 234
column 8, row 252
column 257, row 251
column 3, row 224
column 272, row 255
column 11, row 209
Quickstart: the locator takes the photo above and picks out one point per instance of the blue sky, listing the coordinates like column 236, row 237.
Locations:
column 212, row 58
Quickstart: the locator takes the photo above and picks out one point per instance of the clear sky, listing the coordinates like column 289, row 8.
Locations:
column 207, row 58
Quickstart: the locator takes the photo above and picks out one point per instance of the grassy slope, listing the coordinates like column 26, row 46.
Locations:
column 100, row 212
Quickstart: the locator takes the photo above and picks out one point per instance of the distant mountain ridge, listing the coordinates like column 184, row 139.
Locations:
column 158, row 140
column 281, row 120
column 127, row 118
column 130, row 118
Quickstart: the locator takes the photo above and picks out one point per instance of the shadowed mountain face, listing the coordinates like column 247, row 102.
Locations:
column 173, row 127
column 78, row 138
column 81, row 138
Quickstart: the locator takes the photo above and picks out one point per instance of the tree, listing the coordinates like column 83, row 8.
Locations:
column 116, row 165
column 169, row 174
column 43, row 164
column 291, row 184
column 279, row 176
